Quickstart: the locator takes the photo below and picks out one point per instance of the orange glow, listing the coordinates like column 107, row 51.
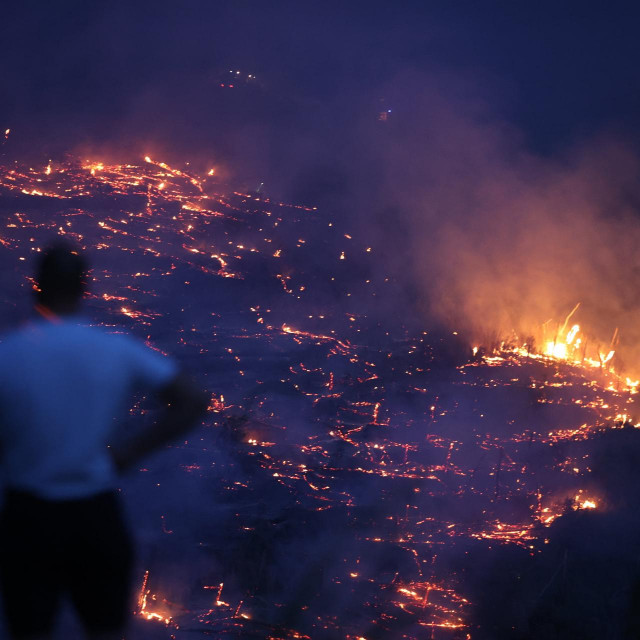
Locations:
column 181, row 233
column 143, row 604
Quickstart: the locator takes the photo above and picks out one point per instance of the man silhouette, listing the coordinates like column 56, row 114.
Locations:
column 62, row 383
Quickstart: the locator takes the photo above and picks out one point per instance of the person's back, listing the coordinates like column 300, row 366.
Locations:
column 62, row 385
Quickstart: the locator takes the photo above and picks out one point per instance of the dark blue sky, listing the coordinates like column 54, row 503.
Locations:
column 76, row 71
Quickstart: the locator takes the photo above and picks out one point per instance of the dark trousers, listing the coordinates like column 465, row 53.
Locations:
column 76, row 548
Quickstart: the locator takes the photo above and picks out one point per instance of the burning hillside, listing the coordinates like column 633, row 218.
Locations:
column 349, row 464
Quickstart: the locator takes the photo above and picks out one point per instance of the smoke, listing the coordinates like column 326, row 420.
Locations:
column 491, row 238
column 478, row 232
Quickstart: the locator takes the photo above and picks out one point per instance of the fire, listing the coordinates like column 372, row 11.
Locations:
column 143, row 604
column 572, row 348
column 572, row 334
column 94, row 167
column 372, row 425
column 217, row 403
column 580, row 501
column 563, row 348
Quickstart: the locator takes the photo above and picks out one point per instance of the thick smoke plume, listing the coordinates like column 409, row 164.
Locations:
column 494, row 239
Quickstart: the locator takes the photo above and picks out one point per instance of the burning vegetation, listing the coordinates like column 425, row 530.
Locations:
column 356, row 478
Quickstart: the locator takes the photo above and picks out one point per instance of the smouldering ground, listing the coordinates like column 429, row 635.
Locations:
column 349, row 463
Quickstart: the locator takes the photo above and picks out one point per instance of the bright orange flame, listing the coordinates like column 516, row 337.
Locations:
column 143, row 601
column 559, row 348
column 572, row 333
column 608, row 357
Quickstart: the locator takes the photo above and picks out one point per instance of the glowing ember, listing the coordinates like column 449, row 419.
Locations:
column 143, row 604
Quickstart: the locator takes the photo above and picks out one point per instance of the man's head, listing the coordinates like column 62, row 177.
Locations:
column 61, row 278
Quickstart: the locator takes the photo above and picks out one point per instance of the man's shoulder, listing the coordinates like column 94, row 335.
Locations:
column 15, row 336
column 73, row 331
column 125, row 342
column 111, row 338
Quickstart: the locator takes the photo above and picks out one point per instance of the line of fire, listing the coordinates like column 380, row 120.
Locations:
column 351, row 480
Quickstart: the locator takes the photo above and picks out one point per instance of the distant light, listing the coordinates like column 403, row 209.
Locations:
column 389, row 111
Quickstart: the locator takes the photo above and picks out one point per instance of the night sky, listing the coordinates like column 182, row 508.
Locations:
column 124, row 72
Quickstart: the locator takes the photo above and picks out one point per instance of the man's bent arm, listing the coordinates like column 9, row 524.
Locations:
column 184, row 404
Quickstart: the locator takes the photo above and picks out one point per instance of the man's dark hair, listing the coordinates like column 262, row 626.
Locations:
column 61, row 274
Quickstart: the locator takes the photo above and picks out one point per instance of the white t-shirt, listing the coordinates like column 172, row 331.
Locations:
column 61, row 386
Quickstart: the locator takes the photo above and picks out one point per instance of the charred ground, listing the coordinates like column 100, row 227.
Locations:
column 361, row 474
